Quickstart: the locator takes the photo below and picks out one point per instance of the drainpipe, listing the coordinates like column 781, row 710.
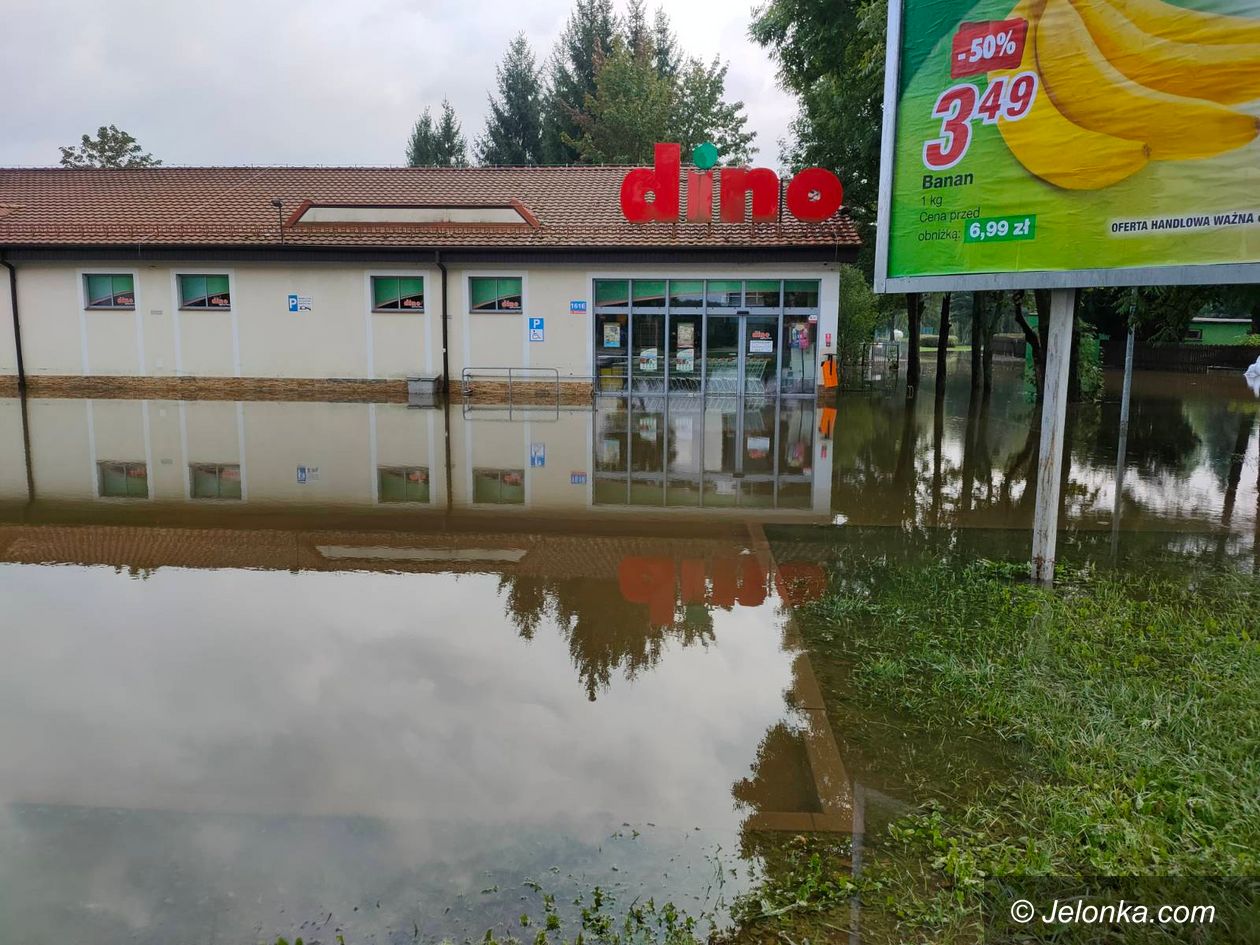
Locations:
column 446, row 388
column 17, row 324
column 446, row 359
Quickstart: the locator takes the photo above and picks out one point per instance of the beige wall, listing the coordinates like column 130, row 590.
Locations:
column 339, row 337
column 8, row 349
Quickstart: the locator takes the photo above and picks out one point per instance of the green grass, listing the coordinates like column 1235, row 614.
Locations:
column 1131, row 700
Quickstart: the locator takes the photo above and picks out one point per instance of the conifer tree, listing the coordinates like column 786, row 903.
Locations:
column 637, row 33
column 668, row 58
column 513, row 132
column 586, row 41
column 437, row 144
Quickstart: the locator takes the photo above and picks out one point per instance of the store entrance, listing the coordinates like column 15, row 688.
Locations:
column 741, row 354
column 754, row 337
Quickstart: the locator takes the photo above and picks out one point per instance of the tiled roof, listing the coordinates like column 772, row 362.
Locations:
column 576, row 207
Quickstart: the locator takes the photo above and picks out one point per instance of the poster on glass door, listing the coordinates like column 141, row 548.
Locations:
column 685, row 343
column 760, row 341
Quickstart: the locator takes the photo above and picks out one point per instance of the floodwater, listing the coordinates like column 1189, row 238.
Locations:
column 300, row 669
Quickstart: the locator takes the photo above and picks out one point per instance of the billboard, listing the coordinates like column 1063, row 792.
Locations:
column 1061, row 143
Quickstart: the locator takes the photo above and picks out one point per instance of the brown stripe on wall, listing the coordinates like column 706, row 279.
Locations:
column 332, row 390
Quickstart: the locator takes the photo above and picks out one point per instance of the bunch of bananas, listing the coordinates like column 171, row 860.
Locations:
column 1124, row 82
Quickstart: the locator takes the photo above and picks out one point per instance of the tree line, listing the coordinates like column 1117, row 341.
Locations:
column 611, row 87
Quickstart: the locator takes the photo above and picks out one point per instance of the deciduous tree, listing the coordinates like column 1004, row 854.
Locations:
column 112, row 147
column 831, row 55
column 632, row 107
column 703, row 114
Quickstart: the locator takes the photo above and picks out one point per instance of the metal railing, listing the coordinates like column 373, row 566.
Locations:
column 512, row 375
column 887, row 351
column 518, row 381
column 877, row 364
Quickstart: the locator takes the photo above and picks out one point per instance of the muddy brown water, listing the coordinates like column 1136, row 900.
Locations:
column 282, row 669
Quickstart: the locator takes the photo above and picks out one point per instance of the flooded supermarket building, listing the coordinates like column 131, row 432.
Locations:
column 324, row 282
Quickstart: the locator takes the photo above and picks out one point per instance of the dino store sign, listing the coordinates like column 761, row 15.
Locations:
column 1061, row 143
column 812, row 196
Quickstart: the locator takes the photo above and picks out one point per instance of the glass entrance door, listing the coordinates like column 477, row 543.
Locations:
column 742, row 354
column 722, row 354
column 761, row 354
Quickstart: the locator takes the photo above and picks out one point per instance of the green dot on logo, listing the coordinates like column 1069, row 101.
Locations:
column 704, row 156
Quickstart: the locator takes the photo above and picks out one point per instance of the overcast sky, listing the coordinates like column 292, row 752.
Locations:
column 301, row 81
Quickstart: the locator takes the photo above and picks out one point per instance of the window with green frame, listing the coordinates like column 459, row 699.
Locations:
column 761, row 293
column 494, row 293
column 686, row 293
column 204, row 292
column 649, row 293
column 398, row 293
column 800, row 293
column 612, row 293
column 402, row 483
column 499, row 486
column 724, row 293
column 214, row 480
column 123, row 480
column 109, row 290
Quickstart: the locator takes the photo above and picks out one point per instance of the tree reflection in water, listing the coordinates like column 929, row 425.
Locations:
column 606, row 633
column 972, row 461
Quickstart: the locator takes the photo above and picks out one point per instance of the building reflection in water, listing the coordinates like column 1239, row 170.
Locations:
column 717, row 452
column 679, row 452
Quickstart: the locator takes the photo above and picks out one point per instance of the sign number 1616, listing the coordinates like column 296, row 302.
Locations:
column 959, row 105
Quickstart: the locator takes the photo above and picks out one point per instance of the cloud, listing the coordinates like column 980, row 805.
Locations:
column 297, row 82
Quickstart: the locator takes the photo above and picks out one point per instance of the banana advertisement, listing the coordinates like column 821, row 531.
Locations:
column 1077, row 136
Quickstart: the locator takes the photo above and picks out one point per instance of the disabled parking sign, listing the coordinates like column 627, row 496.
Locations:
column 535, row 329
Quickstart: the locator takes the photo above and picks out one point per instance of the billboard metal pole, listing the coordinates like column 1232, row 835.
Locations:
column 888, row 143
column 1124, row 442
column 1053, row 418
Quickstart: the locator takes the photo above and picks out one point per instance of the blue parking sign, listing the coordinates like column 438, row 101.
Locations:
column 535, row 329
